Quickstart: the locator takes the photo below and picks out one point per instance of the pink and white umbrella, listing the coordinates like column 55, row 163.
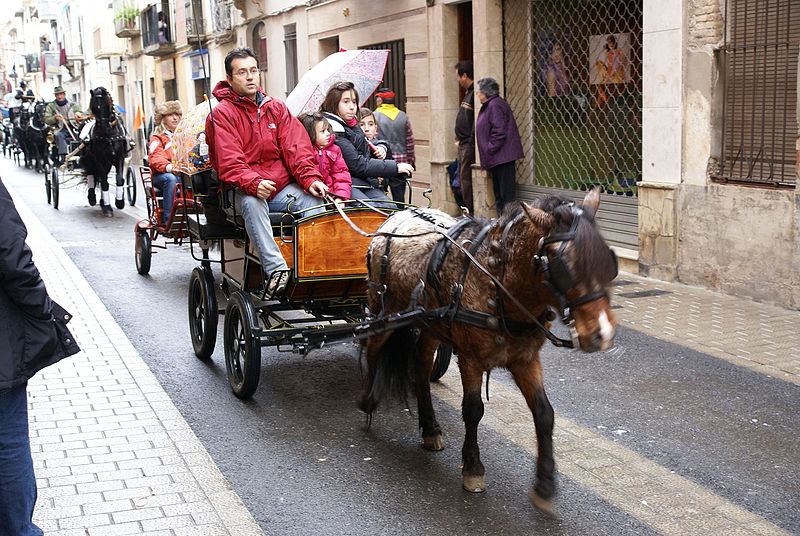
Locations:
column 364, row 68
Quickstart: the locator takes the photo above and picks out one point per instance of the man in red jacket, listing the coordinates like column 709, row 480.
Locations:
column 259, row 148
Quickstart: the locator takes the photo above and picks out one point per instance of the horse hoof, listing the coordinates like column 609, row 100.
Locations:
column 108, row 211
column 540, row 503
column 120, row 203
column 92, row 198
column 474, row 483
column 434, row 443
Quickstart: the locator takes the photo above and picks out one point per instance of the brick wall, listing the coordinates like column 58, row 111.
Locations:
column 705, row 22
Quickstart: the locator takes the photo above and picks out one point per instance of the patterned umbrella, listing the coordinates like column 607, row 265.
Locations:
column 191, row 150
column 364, row 68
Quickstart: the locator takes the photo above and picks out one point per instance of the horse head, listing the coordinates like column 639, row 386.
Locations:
column 577, row 267
column 101, row 104
column 37, row 118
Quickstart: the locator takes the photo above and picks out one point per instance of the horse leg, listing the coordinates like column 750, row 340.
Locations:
column 104, row 196
column 431, row 432
column 90, row 194
column 528, row 377
column 120, row 194
column 472, row 474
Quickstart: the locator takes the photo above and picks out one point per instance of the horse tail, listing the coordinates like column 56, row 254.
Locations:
column 390, row 371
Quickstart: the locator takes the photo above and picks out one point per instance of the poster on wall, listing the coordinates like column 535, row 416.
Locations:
column 555, row 56
column 609, row 58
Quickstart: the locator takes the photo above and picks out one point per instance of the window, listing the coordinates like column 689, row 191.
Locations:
column 260, row 44
column 290, row 49
column 394, row 76
column 759, row 74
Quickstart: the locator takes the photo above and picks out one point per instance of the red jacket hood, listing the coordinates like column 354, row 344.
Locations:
column 224, row 91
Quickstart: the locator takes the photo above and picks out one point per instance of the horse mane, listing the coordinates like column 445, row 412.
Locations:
column 591, row 254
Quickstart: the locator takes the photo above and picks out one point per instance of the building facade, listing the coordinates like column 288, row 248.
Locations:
column 684, row 112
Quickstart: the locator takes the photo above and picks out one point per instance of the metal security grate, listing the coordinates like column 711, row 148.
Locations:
column 759, row 69
column 573, row 77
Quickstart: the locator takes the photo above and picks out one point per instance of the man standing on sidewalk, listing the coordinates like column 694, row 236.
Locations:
column 465, row 132
column 34, row 335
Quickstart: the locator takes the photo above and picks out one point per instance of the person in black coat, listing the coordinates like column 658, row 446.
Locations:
column 364, row 163
column 34, row 335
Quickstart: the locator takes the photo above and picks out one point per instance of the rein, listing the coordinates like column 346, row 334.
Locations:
column 470, row 260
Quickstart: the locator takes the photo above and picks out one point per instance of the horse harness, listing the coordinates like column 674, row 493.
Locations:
column 453, row 311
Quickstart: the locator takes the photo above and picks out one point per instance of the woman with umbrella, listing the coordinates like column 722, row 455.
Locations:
column 364, row 162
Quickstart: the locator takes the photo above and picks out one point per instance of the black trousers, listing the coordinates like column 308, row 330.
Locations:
column 504, row 183
column 466, row 157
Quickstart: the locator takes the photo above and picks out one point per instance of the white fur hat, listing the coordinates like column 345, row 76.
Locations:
column 166, row 108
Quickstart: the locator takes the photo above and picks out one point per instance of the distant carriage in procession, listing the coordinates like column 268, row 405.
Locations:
column 98, row 154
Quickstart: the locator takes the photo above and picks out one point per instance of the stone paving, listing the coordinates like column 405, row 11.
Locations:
column 761, row 337
column 113, row 455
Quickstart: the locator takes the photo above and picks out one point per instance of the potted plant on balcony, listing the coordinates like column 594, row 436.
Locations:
column 127, row 16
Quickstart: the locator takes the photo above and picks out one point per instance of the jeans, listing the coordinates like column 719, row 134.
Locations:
column 17, row 481
column 366, row 191
column 61, row 137
column 255, row 213
column 166, row 182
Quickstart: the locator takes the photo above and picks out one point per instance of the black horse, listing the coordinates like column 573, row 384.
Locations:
column 107, row 147
column 21, row 119
column 37, row 138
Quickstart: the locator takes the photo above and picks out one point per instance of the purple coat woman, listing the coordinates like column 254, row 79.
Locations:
column 499, row 145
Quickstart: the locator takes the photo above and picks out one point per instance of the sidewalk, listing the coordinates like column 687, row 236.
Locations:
column 113, row 455
column 761, row 337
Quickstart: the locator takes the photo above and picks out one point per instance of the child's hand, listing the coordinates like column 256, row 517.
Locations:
column 379, row 152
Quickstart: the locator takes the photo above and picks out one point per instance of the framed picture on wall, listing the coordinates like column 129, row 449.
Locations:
column 609, row 58
column 555, row 55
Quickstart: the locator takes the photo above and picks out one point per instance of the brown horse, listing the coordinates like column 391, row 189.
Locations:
column 486, row 287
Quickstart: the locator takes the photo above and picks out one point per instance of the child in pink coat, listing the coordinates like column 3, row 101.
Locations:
column 329, row 157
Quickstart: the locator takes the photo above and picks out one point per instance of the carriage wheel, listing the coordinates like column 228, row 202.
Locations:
column 144, row 251
column 203, row 313
column 441, row 361
column 130, row 186
column 242, row 347
column 47, row 179
column 54, row 186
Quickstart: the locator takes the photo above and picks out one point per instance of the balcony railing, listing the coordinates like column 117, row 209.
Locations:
column 158, row 35
column 195, row 27
column 221, row 20
column 126, row 27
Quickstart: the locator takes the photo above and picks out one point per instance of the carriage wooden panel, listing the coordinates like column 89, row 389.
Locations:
column 328, row 247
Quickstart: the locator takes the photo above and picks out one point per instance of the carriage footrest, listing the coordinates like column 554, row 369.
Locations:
column 213, row 231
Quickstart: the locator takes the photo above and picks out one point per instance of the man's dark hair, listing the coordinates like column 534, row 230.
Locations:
column 237, row 53
column 464, row 67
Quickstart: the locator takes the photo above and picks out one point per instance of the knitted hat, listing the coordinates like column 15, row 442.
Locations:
column 166, row 108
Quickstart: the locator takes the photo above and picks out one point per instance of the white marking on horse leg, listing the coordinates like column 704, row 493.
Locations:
column 120, row 192
column 606, row 331
column 105, row 196
column 90, row 181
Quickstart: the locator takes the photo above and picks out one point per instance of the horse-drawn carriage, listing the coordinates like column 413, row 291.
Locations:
column 415, row 283
column 95, row 155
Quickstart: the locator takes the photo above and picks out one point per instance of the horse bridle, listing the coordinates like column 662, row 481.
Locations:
column 557, row 274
